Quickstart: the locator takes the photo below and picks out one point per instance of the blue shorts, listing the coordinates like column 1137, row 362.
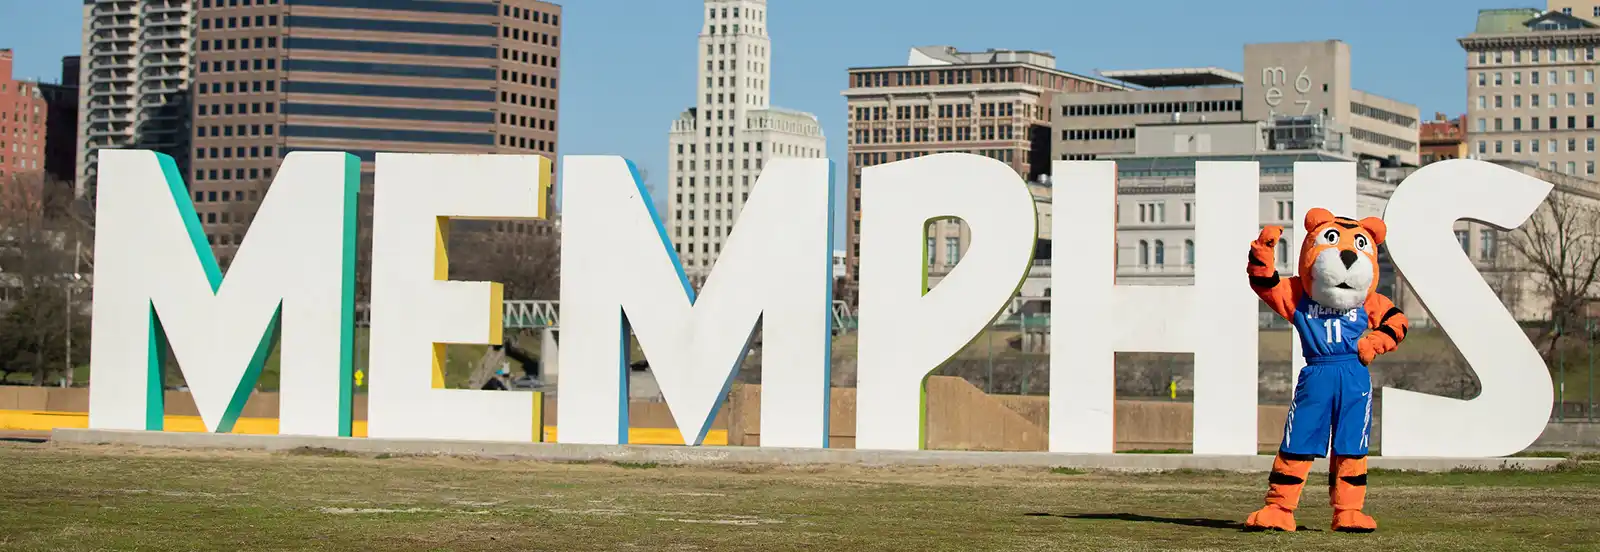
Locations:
column 1332, row 401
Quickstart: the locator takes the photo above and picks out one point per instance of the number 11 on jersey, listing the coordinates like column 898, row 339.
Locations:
column 1333, row 330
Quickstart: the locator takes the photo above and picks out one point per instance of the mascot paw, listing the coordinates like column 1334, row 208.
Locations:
column 1353, row 521
column 1366, row 351
column 1271, row 517
column 1270, row 235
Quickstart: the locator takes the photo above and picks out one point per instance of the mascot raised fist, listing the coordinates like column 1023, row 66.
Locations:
column 1343, row 323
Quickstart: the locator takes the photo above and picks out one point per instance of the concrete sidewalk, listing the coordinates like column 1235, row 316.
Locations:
column 713, row 455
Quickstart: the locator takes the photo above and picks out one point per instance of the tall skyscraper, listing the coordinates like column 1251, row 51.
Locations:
column 23, row 116
column 1531, row 87
column 134, row 80
column 719, row 146
column 61, row 134
column 471, row 76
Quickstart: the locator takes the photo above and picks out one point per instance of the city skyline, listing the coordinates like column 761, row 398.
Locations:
column 1409, row 54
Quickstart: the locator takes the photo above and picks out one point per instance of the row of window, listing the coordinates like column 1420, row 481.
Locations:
column 1534, row 123
column 1552, row 101
column 716, row 181
column 207, row 4
column 952, row 251
column 693, row 165
column 535, row 16
column 253, row 108
column 942, row 77
column 235, row 152
column 392, row 113
column 226, row 195
column 1143, row 108
column 527, row 143
column 1536, row 55
column 1384, row 140
column 945, row 111
column 242, row 65
column 707, row 213
column 528, row 79
column 257, row 43
column 693, row 149
column 751, row 49
column 706, row 198
column 232, row 131
column 524, row 121
column 531, row 37
column 1533, row 146
column 1160, row 250
column 244, row 87
column 1090, row 134
column 750, row 99
column 1552, row 78
column 705, row 231
column 753, row 15
column 712, row 29
column 527, row 100
column 239, row 22
column 233, row 174
column 389, row 69
column 1382, row 115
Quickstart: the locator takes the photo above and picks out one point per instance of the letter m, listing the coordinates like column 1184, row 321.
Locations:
column 1274, row 76
column 157, row 284
column 620, row 270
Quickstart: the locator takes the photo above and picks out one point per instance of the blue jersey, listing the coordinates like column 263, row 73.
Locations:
column 1328, row 332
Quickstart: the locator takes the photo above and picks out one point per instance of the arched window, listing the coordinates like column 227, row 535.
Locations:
column 1188, row 252
column 1161, row 253
column 1144, row 253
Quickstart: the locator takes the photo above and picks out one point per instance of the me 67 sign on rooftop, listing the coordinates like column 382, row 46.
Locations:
column 157, row 286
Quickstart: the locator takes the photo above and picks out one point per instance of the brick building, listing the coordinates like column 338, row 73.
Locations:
column 23, row 115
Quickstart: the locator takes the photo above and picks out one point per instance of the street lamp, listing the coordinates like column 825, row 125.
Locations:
column 66, row 380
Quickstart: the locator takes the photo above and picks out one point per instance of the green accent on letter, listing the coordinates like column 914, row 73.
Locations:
column 155, row 401
column 347, row 296
column 252, row 373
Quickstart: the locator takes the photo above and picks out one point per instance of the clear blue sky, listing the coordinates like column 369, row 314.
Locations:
column 628, row 66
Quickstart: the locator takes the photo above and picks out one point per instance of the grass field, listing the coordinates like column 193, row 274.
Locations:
column 60, row 498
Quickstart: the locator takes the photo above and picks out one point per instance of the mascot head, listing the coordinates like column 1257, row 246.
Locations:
column 1339, row 259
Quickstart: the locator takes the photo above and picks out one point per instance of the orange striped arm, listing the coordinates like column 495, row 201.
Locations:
column 1388, row 325
column 1281, row 294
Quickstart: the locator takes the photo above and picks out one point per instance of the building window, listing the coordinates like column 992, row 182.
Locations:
column 1286, row 210
column 930, row 251
column 1188, row 212
column 952, row 251
column 1144, row 253
column 1461, row 236
column 1161, row 253
column 1188, row 252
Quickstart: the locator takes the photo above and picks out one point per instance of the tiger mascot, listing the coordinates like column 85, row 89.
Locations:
column 1333, row 304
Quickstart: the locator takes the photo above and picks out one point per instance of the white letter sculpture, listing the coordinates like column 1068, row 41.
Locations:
column 1514, row 406
column 619, row 271
column 1215, row 318
column 415, row 312
column 158, row 283
column 907, row 330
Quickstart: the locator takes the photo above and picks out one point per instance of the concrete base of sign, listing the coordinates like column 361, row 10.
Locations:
column 679, row 455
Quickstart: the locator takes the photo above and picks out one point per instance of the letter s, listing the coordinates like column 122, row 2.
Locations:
column 1514, row 407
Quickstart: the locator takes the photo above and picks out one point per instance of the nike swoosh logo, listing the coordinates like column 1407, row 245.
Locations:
column 1365, row 394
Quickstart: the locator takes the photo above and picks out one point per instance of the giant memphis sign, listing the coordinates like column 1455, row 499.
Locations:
column 158, row 286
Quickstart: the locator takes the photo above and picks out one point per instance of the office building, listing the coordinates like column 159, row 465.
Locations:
column 134, row 82
column 273, row 77
column 1300, row 79
column 23, row 119
column 1443, row 139
column 994, row 103
column 1531, row 87
column 61, row 131
column 718, row 147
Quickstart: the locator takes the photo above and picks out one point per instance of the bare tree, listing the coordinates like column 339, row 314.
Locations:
column 42, row 244
column 1560, row 244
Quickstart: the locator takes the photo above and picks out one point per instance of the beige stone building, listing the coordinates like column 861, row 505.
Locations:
column 1300, row 79
column 1531, row 87
column 994, row 103
column 718, row 148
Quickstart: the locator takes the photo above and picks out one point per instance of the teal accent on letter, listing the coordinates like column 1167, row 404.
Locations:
column 252, row 373
column 347, row 295
column 208, row 262
column 622, row 386
column 191, row 221
column 155, row 400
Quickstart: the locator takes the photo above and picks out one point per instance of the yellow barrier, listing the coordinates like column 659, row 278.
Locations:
column 36, row 420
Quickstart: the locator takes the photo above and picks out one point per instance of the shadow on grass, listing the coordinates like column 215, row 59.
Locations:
column 1190, row 522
